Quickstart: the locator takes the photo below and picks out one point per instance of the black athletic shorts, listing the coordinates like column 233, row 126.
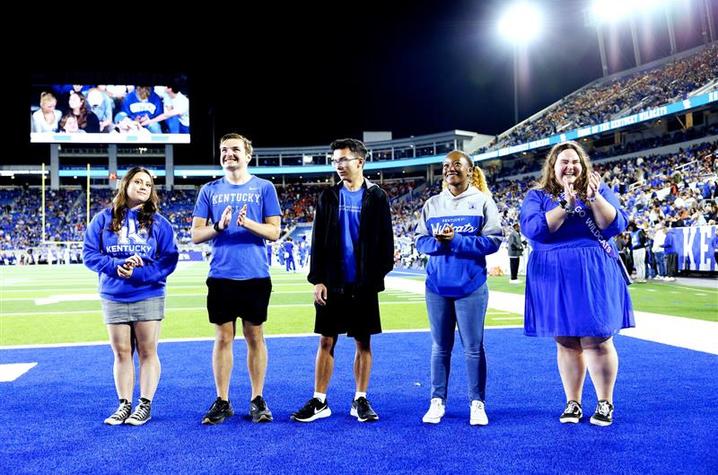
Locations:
column 348, row 311
column 229, row 299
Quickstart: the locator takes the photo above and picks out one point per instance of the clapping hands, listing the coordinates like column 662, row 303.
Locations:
column 594, row 183
column 569, row 193
column 242, row 216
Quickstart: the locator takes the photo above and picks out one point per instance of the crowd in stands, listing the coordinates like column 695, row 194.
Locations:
column 605, row 101
column 670, row 190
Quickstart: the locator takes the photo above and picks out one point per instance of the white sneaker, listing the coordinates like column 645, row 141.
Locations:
column 513, row 281
column 478, row 414
column 436, row 411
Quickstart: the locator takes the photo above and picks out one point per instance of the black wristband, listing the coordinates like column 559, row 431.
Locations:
column 216, row 227
column 564, row 204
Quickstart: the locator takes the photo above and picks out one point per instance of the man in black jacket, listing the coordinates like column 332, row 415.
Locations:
column 352, row 251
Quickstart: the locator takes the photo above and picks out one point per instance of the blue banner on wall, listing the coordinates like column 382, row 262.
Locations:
column 695, row 247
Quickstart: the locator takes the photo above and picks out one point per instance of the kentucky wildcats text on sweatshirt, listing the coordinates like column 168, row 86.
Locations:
column 104, row 250
column 458, row 267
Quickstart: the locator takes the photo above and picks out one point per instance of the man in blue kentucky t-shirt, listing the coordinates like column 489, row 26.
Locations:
column 244, row 210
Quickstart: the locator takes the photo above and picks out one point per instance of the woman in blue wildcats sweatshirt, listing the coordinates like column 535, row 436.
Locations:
column 132, row 248
column 457, row 229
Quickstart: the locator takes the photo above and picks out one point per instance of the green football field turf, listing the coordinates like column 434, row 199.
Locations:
column 667, row 298
column 60, row 304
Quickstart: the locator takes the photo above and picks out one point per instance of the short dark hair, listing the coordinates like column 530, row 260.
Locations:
column 357, row 147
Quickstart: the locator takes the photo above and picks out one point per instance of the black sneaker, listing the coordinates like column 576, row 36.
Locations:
column 572, row 414
column 259, row 411
column 220, row 410
column 361, row 409
column 121, row 414
column 603, row 415
column 141, row 415
column 314, row 409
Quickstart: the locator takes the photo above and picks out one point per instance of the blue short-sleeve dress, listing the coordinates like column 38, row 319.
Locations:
column 573, row 287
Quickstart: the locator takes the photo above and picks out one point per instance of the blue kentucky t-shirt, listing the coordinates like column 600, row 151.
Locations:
column 237, row 253
column 349, row 213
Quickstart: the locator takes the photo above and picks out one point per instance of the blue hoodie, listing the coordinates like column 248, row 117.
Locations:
column 458, row 268
column 104, row 250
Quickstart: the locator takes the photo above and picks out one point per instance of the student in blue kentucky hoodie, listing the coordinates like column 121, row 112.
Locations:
column 457, row 229
column 132, row 248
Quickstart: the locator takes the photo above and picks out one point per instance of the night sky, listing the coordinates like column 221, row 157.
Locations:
column 411, row 68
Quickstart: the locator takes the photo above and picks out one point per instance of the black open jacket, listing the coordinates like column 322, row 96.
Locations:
column 375, row 253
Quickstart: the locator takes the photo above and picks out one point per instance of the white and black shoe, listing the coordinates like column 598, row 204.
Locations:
column 478, row 415
column 362, row 410
column 121, row 414
column 259, row 411
column 603, row 415
column 142, row 413
column 572, row 414
column 314, row 409
column 436, row 411
column 218, row 412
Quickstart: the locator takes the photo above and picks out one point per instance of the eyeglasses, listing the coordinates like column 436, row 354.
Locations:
column 342, row 161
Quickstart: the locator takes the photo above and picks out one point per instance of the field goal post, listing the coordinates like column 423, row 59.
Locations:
column 44, row 209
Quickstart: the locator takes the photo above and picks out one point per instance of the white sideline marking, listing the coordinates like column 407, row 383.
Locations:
column 66, row 298
column 11, row 282
column 690, row 333
column 699, row 335
column 12, row 371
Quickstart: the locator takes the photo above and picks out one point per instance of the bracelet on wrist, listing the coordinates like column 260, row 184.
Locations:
column 591, row 199
column 565, row 206
column 216, row 227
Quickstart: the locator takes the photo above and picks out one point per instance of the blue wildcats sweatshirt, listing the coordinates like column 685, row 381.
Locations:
column 458, row 267
column 104, row 250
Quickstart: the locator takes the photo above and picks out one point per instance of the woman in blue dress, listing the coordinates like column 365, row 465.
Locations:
column 575, row 289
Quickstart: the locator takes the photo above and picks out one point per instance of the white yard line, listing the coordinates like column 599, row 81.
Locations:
column 699, row 335
column 10, row 372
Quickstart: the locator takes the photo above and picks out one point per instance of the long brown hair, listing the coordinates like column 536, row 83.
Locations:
column 547, row 181
column 477, row 178
column 82, row 116
column 119, row 202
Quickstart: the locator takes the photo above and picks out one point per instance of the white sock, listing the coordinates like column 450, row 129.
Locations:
column 359, row 394
column 321, row 396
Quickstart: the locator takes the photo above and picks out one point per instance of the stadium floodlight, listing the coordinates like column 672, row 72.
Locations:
column 520, row 23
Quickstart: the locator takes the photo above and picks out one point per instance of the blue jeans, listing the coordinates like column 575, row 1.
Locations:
column 444, row 315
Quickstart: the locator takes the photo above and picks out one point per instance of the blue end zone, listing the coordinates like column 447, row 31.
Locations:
column 666, row 421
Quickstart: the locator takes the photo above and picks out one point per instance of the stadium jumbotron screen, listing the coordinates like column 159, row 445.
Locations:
column 81, row 113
